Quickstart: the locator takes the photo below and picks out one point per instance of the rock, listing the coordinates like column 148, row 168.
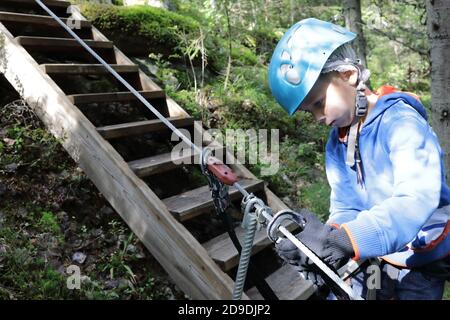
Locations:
column 79, row 257
column 97, row 232
column 169, row 294
column 85, row 279
column 131, row 249
column 247, row 104
column 9, row 142
column 117, row 283
column 12, row 167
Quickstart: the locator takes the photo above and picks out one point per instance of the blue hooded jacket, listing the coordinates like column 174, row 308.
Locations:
column 402, row 211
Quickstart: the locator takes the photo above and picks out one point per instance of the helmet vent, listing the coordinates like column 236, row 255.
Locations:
column 289, row 42
column 285, row 55
column 285, row 68
column 292, row 76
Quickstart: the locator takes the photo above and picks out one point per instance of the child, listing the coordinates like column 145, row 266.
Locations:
column 389, row 198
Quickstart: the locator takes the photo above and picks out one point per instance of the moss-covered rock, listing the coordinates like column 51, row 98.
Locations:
column 153, row 29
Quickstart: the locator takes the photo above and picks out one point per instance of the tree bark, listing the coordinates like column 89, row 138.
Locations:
column 353, row 22
column 438, row 18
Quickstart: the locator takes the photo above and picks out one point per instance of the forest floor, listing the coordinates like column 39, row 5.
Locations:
column 53, row 217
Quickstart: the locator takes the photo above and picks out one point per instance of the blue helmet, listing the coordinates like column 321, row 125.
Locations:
column 299, row 58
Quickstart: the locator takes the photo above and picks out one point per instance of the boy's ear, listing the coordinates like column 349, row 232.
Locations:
column 350, row 76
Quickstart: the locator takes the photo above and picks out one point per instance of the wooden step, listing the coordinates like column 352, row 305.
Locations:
column 194, row 202
column 80, row 99
column 55, row 44
column 141, row 127
column 36, row 19
column 48, row 3
column 161, row 163
column 86, row 69
column 223, row 252
column 287, row 284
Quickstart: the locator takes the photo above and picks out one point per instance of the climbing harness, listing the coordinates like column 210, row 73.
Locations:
column 219, row 178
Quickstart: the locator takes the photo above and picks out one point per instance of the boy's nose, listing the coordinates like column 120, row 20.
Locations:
column 319, row 115
column 321, row 120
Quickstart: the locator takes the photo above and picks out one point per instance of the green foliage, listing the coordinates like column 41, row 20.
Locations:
column 397, row 45
column 187, row 99
column 316, row 197
column 29, row 148
column 49, row 223
column 23, row 272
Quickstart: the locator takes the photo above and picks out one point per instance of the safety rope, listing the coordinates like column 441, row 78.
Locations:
column 221, row 201
column 219, row 170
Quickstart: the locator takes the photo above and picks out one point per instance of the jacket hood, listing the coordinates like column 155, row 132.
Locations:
column 388, row 100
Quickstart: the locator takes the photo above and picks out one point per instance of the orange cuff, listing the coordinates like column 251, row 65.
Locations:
column 335, row 225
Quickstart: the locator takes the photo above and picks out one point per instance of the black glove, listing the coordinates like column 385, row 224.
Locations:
column 308, row 269
column 330, row 244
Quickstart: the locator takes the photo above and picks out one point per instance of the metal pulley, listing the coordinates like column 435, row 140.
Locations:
column 281, row 219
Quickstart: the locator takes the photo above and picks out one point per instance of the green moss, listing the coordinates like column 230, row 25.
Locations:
column 155, row 25
column 243, row 56
column 49, row 223
column 186, row 99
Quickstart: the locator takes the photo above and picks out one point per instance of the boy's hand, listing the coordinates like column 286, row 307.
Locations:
column 330, row 244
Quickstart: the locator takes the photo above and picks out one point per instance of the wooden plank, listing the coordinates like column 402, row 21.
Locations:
column 48, row 3
column 194, row 202
column 79, row 99
column 86, row 69
column 161, row 163
column 37, row 19
column 141, row 127
column 223, row 252
column 53, row 44
column 184, row 259
column 287, row 284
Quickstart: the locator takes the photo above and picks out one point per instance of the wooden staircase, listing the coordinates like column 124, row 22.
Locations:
column 136, row 184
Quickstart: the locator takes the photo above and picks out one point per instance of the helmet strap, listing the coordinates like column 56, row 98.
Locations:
column 361, row 107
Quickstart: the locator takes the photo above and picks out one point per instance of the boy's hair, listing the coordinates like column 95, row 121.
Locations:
column 344, row 59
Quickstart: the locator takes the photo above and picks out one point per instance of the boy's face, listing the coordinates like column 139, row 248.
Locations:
column 332, row 99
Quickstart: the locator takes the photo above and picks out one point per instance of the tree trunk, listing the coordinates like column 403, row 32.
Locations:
column 438, row 18
column 353, row 22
